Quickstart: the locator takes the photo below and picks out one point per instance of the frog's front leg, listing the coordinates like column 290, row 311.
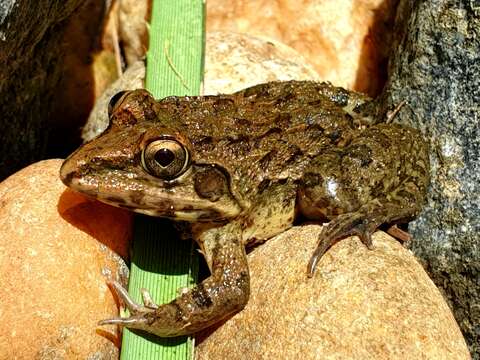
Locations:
column 225, row 292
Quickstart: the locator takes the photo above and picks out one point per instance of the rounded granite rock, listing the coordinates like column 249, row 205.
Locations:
column 236, row 61
column 360, row 304
column 132, row 78
column 57, row 249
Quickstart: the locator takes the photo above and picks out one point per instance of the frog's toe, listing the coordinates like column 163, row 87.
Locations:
column 365, row 236
column 123, row 295
column 321, row 249
column 137, row 321
column 147, row 299
column 399, row 234
column 132, row 306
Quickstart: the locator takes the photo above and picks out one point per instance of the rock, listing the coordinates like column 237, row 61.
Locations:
column 360, row 304
column 436, row 69
column 347, row 41
column 57, row 248
column 79, row 58
column 132, row 78
column 133, row 16
column 236, row 61
column 30, row 70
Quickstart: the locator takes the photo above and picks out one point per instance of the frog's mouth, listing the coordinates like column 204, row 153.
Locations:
column 178, row 209
column 145, row 196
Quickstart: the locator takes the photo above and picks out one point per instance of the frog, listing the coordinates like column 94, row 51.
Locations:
column 241, row 168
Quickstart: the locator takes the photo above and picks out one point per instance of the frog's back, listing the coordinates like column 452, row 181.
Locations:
column 255, row 110
column 268, row 131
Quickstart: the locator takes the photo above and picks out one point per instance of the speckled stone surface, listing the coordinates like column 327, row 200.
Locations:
column 436, row 68
column 57, row 249
column 236, row 61
column 361, row 304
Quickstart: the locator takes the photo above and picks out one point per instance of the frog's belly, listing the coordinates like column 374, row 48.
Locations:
column 264, row 222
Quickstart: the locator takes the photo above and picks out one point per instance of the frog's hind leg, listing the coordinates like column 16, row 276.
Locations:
column 362, row 223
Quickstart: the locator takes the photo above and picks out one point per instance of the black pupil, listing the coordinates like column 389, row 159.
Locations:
column 164, row 157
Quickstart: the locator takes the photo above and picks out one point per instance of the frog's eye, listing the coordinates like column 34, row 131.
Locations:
column 115, row 100
column 165, row 158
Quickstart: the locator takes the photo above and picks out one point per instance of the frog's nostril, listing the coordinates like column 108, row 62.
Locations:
column 66, row 178
column 66, row 174
column 70, row 169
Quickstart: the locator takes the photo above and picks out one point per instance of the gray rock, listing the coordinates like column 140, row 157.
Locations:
column 30, row 32
column 436, row 68
column 132, row 78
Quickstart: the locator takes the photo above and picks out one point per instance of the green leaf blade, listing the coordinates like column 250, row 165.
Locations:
column 160, row 262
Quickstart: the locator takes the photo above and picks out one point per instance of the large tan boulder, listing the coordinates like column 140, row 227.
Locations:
column 57, row 249
column 361, row 304
column 346, row 41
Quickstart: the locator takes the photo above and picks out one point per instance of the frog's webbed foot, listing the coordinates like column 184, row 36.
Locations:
column 225, row 292
column 362, row 223
column 138, row 317
column 343, row 226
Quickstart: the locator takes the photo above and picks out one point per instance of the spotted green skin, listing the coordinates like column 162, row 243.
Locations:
column 259, row 159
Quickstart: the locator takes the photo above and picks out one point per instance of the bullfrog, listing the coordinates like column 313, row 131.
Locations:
column 243, row 167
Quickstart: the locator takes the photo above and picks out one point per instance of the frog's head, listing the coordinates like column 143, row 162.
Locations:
column 144, row 163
